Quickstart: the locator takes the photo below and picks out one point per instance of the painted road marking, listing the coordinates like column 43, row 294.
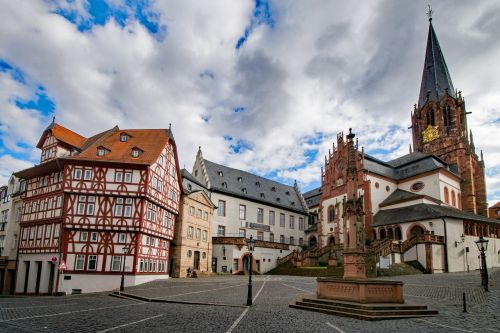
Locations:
column 128, row 324
column 335, row 327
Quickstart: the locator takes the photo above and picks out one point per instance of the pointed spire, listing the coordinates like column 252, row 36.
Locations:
column 436, row 80
column 410, row 148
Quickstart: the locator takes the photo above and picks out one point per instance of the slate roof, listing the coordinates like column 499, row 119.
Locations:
column 424, row 212
column 249, row 186
column 312, row 197
column 191, row 184
column 398, row 196
column 405, row 166
column 436, row 80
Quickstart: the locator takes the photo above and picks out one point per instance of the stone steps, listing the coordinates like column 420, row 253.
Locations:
column 378, row 311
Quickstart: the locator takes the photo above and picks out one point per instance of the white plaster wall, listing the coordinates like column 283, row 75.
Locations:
column 233, row 223
column 438, row 258
column 45, row 274
column 379, row 194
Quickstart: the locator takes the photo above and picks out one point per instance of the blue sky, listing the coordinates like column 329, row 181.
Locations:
column 261, row 85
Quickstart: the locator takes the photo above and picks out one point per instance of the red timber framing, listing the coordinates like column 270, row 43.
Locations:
column 91, row 208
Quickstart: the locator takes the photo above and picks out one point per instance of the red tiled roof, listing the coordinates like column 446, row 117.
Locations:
column 150, row 141
column 64, row 135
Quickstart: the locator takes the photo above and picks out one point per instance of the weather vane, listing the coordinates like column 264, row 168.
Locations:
column 430, row 12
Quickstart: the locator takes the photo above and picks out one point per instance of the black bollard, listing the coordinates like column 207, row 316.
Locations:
column 465, row 303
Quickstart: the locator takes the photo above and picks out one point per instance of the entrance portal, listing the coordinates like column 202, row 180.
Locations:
column 196, row 262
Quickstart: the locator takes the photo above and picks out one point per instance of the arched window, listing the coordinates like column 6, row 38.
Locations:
column 446, row 196
column 459, row 199
column 331, row 213
column 453, row 201
column 430, row 117
column 374, row 234
column 416, row 230
column 447, row 116
column 390, row 233
column 382, row 234
column 399, row 235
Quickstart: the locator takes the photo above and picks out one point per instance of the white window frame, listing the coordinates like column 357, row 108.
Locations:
column 79, row 262
column 116, row 263
column 91, row 257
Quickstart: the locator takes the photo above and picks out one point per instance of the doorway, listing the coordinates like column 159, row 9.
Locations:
column 214, row 264
column 246, row 264
column 196, row 261
column 51, row 277
column 26, row 276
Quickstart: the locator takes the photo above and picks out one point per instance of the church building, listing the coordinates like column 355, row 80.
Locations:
column 427, row 207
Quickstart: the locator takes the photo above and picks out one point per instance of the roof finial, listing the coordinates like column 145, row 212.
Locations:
column 429, row 13
column 53, row 119
column 170, row 126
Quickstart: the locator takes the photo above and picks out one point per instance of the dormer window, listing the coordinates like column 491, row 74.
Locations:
column 220, row 173
column 101, row 151
column 292, row 203
column 240, row 179
column 224, row 184
column 273, row 189
column 278, row 199
column 257, row 184
column 287, row 192
column 244, row 190
column 262, row 195
column 136, row 152
column 124, row 137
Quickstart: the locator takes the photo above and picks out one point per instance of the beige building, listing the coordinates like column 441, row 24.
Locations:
column 193, row 238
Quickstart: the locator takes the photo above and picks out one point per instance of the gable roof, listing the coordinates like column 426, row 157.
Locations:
column 424, row 212
column 150, row 141
column 256, row 188
column 436, row 80
column 62, row 134
column 400, row 195
column 312, row 197
column 406, row 166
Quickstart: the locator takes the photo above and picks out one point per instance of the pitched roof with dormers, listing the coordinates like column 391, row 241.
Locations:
column 252, row 187
column 62, row 134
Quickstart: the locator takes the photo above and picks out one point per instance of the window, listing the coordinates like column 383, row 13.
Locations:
column 240, row 179
column 83, row 236
column 59, row 202
column 123, row 137
column 282, row 238
column 205, row 216
column 198, row 213
column 56, row 230
column 220, row 173
column 191, row 210
column 453, row 199
column 127, row 208
column 204, row 235
column 221, row 230
column 292, row 222
column 118, row 176
column 301, row 223
column 92, row 264
column 87, row 174
column 271, row 217
column 292, row 240
column 101, row 151
column 271, row 237
column 39, row 232
column 260, row 215
column 198, row 233
column 243, row 212
column 446, row 196
column 260, row 235
column 93, row 237
column 90, row 205
column 243, row 233
column 415, row 187
column 32, row 232
column 136, row 152
column 151, row 212
column 127, row 177
column 282, row 220
column 331, row 213
column 48, row 229
column 77, row 173
column 430, row 117
column 116, row 263
column 447, row 116
column 86, row 205
column 190, row 232
column 221, row 209
column 25, row 233
column 301, row 241
column 122, row 238
column 168, row 220
column 79, row 262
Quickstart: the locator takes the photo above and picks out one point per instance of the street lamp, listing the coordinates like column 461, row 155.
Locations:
column 251, row 247
column 482, row 246
column 122, row 284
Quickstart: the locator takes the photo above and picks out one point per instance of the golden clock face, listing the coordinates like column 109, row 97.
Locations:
column 430, row 133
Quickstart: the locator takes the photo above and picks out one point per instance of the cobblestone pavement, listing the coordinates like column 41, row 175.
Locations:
column 270, row 312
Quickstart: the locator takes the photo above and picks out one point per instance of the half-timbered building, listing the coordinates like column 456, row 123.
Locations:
column 98, row 206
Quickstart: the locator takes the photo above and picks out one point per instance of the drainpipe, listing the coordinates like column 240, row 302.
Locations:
column 445, row 246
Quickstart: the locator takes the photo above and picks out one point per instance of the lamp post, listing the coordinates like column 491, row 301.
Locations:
column 122, row 283
column 251, row 247
column 482, row 246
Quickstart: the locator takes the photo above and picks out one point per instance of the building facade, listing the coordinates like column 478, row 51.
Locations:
column 10, row 214
column 99, row 206
column 193, row 236
column 248, row 205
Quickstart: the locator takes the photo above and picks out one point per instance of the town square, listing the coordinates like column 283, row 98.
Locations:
column 249, row 166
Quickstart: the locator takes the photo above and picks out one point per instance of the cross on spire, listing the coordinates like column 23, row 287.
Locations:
column 429, row 13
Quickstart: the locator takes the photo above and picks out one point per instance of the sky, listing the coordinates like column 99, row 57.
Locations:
column 260, row 85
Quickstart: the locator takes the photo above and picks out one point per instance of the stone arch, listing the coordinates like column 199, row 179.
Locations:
column 398, row 234
column 446, row 196
column 313, row 241
column 390, row 233
column 383, row 234
column 415, row 229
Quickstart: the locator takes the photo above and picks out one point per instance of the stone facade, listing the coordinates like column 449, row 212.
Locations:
column 193, row 238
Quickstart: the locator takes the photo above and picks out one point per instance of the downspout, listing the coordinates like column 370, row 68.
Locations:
column 445, row 246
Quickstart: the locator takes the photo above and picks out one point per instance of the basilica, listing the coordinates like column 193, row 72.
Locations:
column 425, row 208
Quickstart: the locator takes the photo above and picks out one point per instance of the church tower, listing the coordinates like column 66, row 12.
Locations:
column 439, row 127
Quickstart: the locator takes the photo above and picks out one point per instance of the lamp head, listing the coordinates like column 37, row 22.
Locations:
column 251, row 244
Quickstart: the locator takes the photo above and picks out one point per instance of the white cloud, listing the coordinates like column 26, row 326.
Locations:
column 324, row 67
